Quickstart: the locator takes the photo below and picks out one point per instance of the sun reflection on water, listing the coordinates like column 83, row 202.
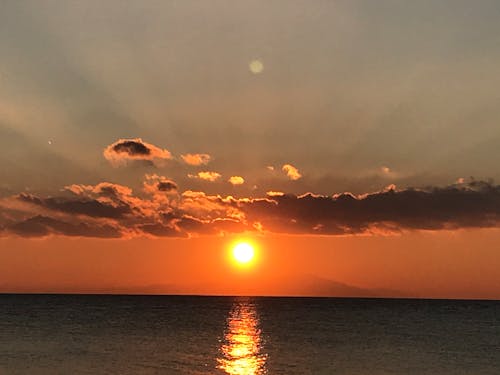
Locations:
column 241, row 350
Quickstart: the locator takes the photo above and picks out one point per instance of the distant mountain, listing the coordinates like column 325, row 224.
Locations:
column 310, row 285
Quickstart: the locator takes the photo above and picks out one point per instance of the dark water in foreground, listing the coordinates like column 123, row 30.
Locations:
column 70, row 334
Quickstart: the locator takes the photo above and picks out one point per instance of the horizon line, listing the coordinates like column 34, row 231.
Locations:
column 245, row 296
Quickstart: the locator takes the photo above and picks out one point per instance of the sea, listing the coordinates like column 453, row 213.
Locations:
column 116, row 334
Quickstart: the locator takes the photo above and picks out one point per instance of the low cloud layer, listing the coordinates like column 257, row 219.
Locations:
column 123, row 151
column 109, row 210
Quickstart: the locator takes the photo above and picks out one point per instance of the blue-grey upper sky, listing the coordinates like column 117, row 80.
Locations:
column 355, row 94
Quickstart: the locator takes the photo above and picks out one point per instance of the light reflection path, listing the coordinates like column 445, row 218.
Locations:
column 242, row 351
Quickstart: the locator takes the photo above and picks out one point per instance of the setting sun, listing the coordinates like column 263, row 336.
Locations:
column 243, row 252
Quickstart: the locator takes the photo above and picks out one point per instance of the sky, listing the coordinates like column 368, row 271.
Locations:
column 353, row 143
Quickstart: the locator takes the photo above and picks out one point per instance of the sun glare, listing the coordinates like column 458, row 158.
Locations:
column 243, row 252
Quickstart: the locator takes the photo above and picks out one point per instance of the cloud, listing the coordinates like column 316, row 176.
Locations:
column 207, row 176
column 196, row 159
column 88, row 207
column 477, row 205
column 41, row 226
column 199, row 205
column 273, row 193
column 123, row 151
column 236, row 180
column 292, row 172
column 166, row 186
column 110, row 210
column 158, row 184
column 103, row 189
column 160, row 230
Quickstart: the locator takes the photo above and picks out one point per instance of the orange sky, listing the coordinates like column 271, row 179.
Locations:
column 356, row 142
column 448, row 264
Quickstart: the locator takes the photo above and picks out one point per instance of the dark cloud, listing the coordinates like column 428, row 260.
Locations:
column 166, row 186
column 132, row 148
column 475, row 205
column 192, row 225
column 41, row 226
column 216, row 226
column 125, row 150
column 155, row 184
column 108, row 210
column 161, row 230
column 81, row 206
column 112, row 191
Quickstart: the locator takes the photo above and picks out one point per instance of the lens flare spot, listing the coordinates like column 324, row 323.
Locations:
column 256, row 66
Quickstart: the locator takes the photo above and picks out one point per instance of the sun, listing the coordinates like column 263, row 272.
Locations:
column 243, row 253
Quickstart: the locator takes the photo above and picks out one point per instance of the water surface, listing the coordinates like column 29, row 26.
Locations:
column 80, row 334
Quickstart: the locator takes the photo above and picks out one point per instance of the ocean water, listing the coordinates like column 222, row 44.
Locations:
column 83, row 334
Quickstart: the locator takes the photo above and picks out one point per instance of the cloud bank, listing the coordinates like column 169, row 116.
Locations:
column 109, row 210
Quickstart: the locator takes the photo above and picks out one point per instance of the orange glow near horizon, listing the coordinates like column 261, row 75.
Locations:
column 443, row 264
